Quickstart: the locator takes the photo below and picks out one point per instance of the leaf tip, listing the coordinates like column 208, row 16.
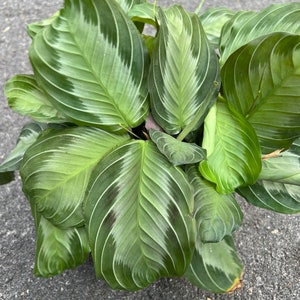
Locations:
column 237, row 284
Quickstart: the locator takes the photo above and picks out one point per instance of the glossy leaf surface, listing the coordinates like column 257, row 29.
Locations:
column 184, row 74
column 92, row 62
column 216, row 267
column 276, row 196
column 178, row 153
column 56, row 170
column 216, row 215
column 138, row 214
column 233, row 152
column 58, row 249
column 249, row 25
column 268, row 94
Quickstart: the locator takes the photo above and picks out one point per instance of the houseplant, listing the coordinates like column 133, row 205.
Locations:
column 160, row 200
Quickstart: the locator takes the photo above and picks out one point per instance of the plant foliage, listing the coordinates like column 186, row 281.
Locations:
column 139, row 141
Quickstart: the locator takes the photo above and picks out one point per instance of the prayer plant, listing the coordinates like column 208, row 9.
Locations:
column 141, row 138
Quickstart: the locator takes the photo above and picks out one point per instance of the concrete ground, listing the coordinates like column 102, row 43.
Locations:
column 268, row 243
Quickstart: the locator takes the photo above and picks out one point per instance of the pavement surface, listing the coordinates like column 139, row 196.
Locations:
column 268, row 243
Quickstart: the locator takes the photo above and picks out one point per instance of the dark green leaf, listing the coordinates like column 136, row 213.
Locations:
column 216, row 267
column 92, row 63
column 216, row 215
column 56, row 170
column 276, row 196
column 233, row 152
column 178, row 153
column 279, row 186
column 184, row 74
column 139, row 217
column 58, row 249
column 268, row 93
column 6, row 177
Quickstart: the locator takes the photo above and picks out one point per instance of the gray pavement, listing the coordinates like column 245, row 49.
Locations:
column 268, row 243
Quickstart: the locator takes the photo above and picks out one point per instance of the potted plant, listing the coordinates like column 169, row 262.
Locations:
column 140, row 141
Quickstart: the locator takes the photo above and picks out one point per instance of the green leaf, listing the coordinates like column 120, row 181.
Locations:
column 233, row 152
column 247, row 26
column 34, row 28
column 178, row 153
column 272, row 195
column 284, row 167
column 56, row 170
column 138, row 212
column 268, row 93
column 6, row 177
column 213, row 20
column 216, row 215
column 58, row 249
column 184, row 72
column 28, row 99
column 127, row 5
column 144, row 13
column 216, row 267
column 92, row 63
column 27, row 137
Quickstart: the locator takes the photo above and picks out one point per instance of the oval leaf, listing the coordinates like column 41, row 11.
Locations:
column 216, row 267
column 216, row 215
column 268, row 94
column 56, row 169
column 138, row 212
column 233, row 152
column 92, row 62
column 26, row 98
column 247, row 26
column 58, row 249
column 184, row 72
column 178, row 153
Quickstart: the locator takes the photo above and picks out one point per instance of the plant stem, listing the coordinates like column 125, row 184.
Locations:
column 197, row 11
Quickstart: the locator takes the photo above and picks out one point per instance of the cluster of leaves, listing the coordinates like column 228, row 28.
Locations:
column 139, row 142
